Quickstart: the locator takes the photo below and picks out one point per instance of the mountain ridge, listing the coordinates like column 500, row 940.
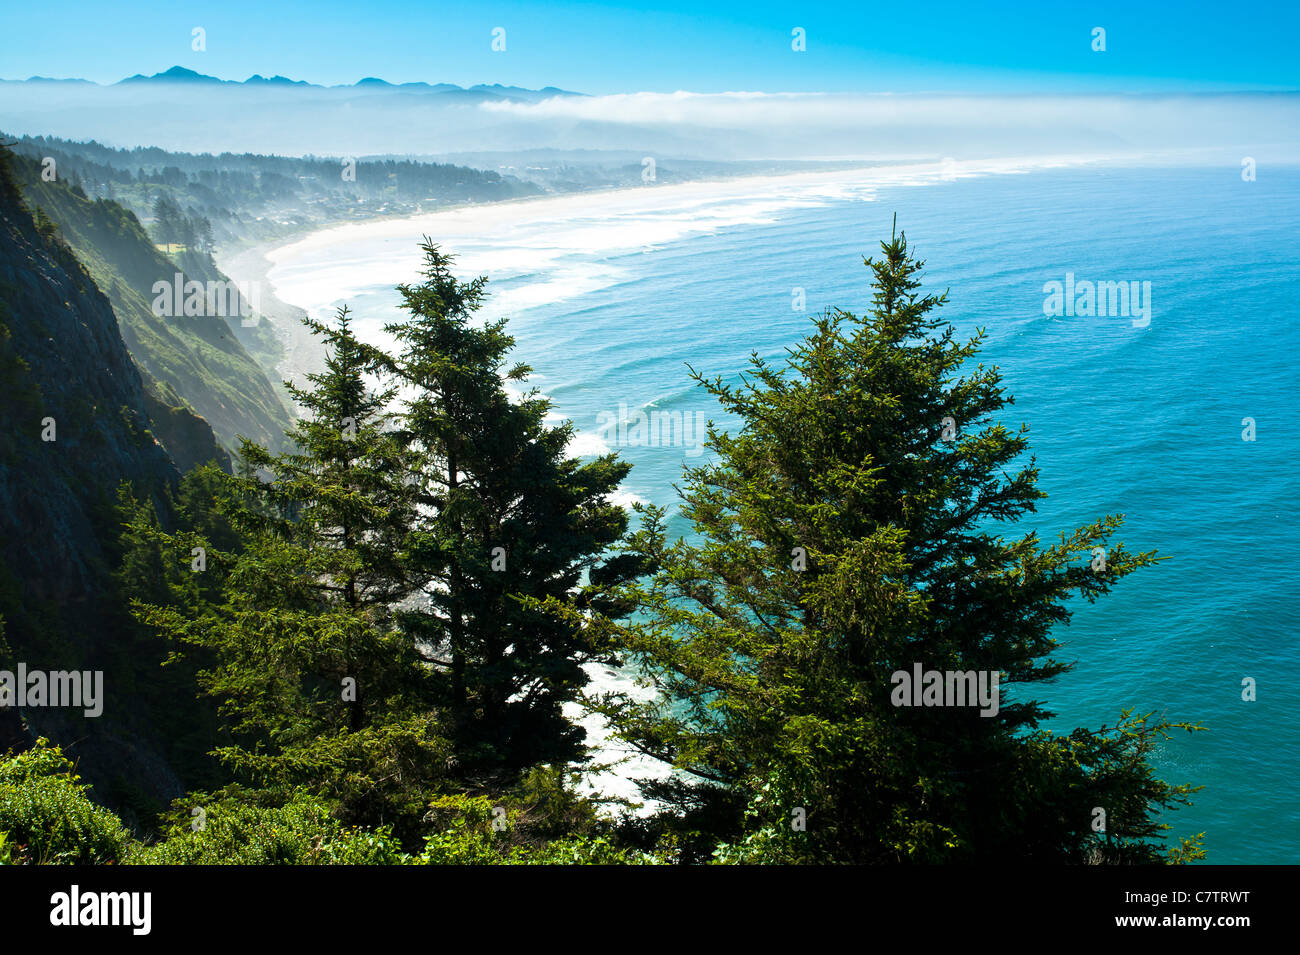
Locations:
column 180, row 75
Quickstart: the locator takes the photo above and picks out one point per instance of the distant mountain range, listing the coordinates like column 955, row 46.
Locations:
column 181, row 75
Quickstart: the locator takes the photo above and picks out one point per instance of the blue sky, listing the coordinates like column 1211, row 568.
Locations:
column 666, row 46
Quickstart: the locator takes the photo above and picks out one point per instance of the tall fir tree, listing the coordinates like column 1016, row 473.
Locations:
column 320, row 686
column 509, row 521
column 166, row 221
column 848, row 531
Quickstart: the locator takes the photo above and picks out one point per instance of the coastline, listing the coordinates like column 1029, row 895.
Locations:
column 491, row 224
column 302, row 354
column 796, row 185
column 255, row 262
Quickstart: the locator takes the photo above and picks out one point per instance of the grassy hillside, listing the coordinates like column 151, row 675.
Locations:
column 196, row 362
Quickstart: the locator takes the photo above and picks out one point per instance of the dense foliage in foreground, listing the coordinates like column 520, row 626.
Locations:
column 46, row 818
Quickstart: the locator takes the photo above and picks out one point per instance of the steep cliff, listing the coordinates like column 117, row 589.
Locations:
column 75, row 412
column 74, row 424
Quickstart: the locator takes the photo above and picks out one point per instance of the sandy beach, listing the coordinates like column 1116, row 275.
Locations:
column 494, row 218
column 302, row 354
column 565, row 244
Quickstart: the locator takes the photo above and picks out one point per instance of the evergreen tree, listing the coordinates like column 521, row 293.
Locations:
column 203, row 228
column 509, row 522
column 45, row 226
column 848, row 531
column 167, row 221
column 321, row 689
column 156, row 569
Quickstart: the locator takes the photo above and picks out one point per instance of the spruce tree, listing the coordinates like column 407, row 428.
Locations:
column 320, row 686
column 166, row 215
column 156, row 569
column 849, row 530
column 509, row 522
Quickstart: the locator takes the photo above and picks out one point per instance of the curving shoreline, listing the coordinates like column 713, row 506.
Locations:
column 302, row 354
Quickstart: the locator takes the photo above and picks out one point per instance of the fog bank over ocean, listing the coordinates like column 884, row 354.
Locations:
column 378, row 119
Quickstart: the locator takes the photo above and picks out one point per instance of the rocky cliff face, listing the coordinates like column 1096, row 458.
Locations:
column 74, row 424
column 75, row 419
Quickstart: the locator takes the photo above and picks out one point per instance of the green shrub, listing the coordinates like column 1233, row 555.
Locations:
column 47, row 817
column 301, row 832
column 586, row 850
column 473, row 832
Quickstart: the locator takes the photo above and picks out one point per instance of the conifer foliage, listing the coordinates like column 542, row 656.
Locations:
column 395, row 614
column 850, row 530
column 322, row 688
column 508, row 520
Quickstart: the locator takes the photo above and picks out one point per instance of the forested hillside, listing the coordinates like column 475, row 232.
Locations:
column 247, row 196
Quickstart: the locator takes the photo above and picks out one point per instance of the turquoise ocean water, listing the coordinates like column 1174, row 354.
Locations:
column 1141, row 421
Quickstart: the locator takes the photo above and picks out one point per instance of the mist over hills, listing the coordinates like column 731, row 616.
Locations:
column 180, row 109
